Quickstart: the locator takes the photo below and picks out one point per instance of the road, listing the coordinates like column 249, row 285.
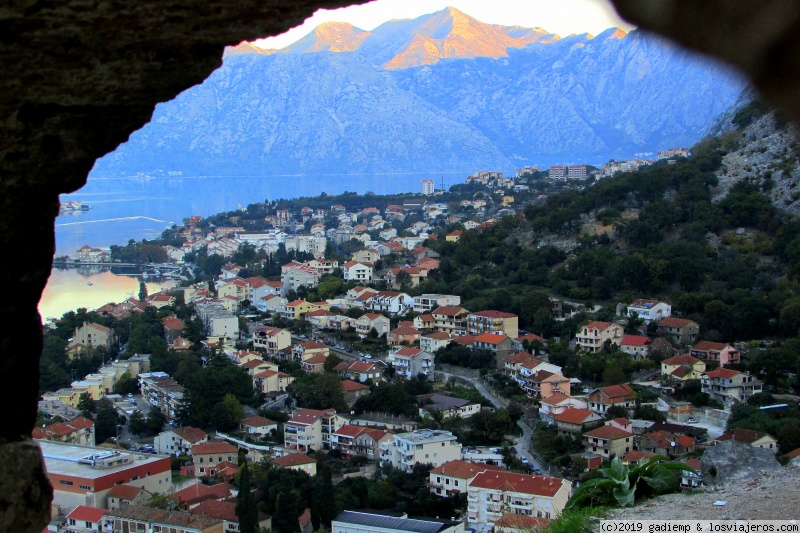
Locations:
column 522, row 443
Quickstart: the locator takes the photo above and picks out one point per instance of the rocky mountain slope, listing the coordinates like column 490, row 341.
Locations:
column 767, row 151
column 441, row 93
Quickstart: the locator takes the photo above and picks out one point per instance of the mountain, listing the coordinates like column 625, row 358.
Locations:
column 440, row 93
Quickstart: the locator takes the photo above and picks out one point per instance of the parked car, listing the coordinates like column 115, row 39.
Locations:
column 691, row 421
column 513, row 449
column 700, row 440
column 537, row 471
column 524, row 460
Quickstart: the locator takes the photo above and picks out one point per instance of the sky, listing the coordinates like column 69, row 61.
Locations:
column 562, row 17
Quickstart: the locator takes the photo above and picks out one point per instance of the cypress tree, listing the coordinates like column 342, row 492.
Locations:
column 246, row 510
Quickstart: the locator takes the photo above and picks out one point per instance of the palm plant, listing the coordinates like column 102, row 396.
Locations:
column 620, row 484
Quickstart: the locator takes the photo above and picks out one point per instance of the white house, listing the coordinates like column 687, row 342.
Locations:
column 649, row 310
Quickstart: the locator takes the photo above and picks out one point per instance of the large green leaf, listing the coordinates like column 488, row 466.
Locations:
column 662, row 480
column 624, row 497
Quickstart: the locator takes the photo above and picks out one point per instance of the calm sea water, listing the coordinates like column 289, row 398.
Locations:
column 141, row 208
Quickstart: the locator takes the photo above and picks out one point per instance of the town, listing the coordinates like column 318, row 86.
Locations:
column 313, row 353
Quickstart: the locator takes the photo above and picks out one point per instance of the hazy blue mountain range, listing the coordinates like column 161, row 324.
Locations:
column 441, row 93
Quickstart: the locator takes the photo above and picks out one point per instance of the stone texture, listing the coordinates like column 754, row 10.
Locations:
column 25, row 493
column 736, row 461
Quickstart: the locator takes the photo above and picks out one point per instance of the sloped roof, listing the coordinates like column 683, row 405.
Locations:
column 257, row 421
column 213, row 447
column 491, row 338
column 523, row 357
column 348, row 385
column 704, row 346
column 608, row 432
column 634, row 340
column 523, row 483
column 463, row 469
column 724, row 373
column 190, row 434
column 681, row 360
column 494, row 314
column 617, row 391
column 521, row 521
column 294, row 459
column 636, row 456
column 572, row 415
column 124, row 492
column 84, row 513
column 555, row 398
column 747, row 436
column 675, row 322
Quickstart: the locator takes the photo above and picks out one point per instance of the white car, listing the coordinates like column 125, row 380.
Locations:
column 691, row 421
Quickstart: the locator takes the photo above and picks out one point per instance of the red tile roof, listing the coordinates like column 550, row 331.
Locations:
column 599, row 325
column 637, row 456
column 200, row 492
column 84, row 513
column 408, row 352
column 463, row 469
column 704, row 346
column 608, row 432
column 681, row 371
column 634, row 340
column 491, row 338
column 318, row 359
column 694, row 463
column 348, row 430
column 675, row 322
column 555, row 398
column 213, row 447
column 522, row 357
column 681, row 360
column 617, row 391
column 573, row 416
column 294, row 459
column 449, row 310
column 531, row 337
column 361, row 366
column 257, row 421
column 190, row 434
column 523, row 483
column 747, row 436
column 124, row 492
column 349, row 385
column 792, row 454
column 494, row 314
column 724, row 373
column 686, row 441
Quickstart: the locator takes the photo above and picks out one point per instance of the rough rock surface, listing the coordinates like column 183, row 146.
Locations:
column 768, row 496
column 733, row 461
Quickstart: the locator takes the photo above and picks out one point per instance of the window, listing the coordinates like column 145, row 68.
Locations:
column 85, row 487
column 67, row 483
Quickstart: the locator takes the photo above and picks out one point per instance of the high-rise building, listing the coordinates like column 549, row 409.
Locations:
column 427, row 187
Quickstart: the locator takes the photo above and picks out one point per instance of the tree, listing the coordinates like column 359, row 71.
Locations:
column 323, row 500
column 126, row 384
column 107, row 419
column 162, row 501
column 142, row 291
column 137, row 424
column 246, row 510
column 789, row 438
column 226, row 415
column 284, row 519
column 86, row 405
column 155, row 421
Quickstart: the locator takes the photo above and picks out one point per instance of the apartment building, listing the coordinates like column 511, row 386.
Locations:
column 493, row 322
column 493, row 494
column 271, row 340
column 410, row 362
column 608, row 441
column 428, row 302
column 729, row 387
column 421, row 446
column 209, row 457
column 594, row 335
column 600, row 400
column 163, row 392
column 649, row 310
column 84, row 475
column 453, row 477
column 310, row 429
column 451, row 320
column 179, row 441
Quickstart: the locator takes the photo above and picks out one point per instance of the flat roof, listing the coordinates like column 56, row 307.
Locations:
column 62, row 459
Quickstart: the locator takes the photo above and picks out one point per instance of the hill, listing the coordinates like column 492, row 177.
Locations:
column 441, row 93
